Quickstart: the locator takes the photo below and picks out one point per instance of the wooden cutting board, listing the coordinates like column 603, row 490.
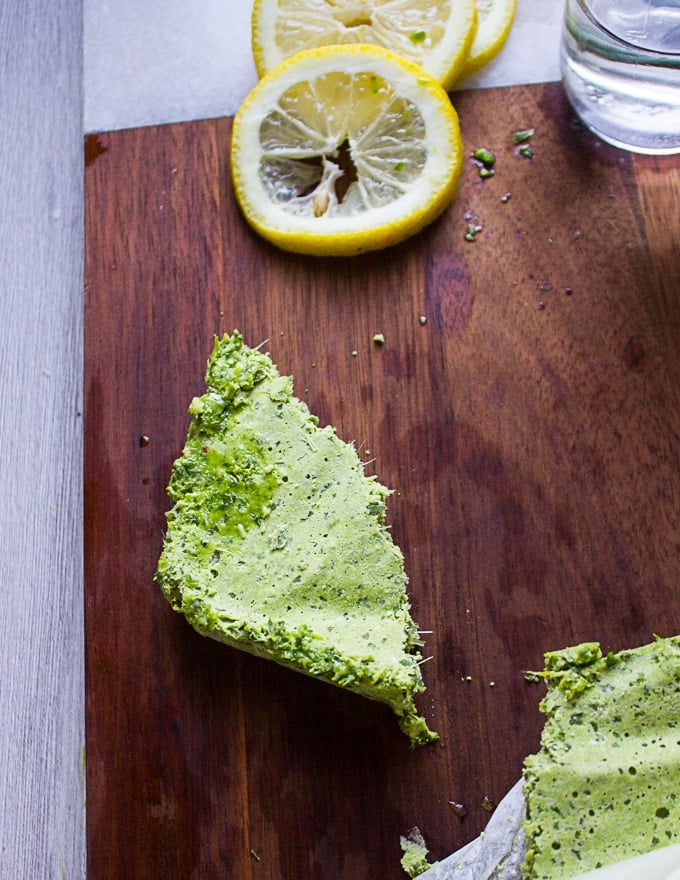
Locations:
column 525, row 407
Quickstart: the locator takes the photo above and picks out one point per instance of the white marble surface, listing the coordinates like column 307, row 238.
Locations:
column 172, row 60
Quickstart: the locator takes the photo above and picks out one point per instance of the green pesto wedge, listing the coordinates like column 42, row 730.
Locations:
column 605, row 785
column 276, row 541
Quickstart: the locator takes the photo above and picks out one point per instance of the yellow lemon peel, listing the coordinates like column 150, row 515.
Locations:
column 344, row 149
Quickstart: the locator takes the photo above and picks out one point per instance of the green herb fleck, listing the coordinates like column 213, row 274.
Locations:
column 418, row 36
column 472, row 232
column 521, row 137
column 399, row 166
column 485, row 160
column 379, row 338
column 527, row 151
column 486, row 157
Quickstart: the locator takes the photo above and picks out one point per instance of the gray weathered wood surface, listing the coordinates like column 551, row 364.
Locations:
column 41, row 621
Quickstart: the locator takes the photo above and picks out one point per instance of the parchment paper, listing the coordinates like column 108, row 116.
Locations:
column 497, row 854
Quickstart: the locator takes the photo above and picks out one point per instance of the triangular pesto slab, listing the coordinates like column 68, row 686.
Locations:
column 276, row 541
column 605, row 784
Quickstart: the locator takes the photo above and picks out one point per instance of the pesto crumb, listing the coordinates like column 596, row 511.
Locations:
column 484, row 160
column 487, row 805
column 521, row 140
column 523, row 135
column 486, row 157
column 414, row 860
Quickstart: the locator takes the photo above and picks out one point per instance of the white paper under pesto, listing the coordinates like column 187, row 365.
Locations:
column 498, row 853
column 174, row 60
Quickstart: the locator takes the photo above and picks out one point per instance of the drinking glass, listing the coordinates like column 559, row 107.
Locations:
column 620, row 64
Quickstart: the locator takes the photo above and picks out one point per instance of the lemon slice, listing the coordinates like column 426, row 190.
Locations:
column 344, row 149
column 438, row 36
column 494, row 20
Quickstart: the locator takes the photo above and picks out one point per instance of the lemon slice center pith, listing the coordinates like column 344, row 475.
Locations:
column 340, row 145
column 352, row 15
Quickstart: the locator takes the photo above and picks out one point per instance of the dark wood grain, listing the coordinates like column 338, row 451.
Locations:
column 529, row 427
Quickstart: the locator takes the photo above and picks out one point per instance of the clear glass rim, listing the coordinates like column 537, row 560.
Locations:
column 586, row 5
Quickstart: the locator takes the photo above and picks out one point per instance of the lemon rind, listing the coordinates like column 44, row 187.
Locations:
column 383, row 226
column 492, row 34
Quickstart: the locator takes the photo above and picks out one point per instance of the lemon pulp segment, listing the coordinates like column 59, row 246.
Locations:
column 307, row 153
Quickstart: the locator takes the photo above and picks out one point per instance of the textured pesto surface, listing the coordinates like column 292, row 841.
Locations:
column 276, row 541
column 414, row 859
column 606, row 783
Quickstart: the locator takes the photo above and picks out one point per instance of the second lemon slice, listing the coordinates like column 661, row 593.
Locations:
column 494, row 20
column 344, row 149
column 437, row 36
